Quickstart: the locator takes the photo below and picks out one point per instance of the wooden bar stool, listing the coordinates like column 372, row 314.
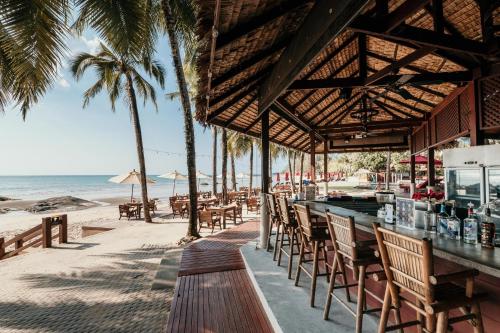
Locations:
column 290, row 229
column 275, row 220
column 409, row 268
column 313, row 235
column 353, row 254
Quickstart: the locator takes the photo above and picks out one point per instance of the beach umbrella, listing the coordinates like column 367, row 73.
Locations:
column 277, row 177
column 199, row 176
column 287, row 176
column 133, row 177
column 174, row 176
column 419, row 159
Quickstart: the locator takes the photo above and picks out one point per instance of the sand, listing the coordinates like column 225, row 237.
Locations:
column 103, row 213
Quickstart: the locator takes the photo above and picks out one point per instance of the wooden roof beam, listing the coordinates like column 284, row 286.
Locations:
column 241, row 85
column 281, row 110
column 401, row 13
column 356, row 82
column 241, row 111
column 252, row 61
column 325, row 21
column 386, row 124
column 338, row 117
column 257, row 22
column 324, row 113
column 394, row 109
column 406, row 105
column 229, row 103
column 407, row 33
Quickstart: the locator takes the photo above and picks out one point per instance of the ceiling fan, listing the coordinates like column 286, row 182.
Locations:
column 364, row 115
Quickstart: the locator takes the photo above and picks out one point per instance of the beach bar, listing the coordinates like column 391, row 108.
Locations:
column 328, row 77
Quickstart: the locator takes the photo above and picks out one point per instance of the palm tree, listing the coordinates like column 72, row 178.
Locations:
column 224, row 166
column 239, row 145
column 32, row 44
column 174, row 24
column 214, row 160
column 119, row 73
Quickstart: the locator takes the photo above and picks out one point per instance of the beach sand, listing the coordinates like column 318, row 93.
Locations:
column 103, row 213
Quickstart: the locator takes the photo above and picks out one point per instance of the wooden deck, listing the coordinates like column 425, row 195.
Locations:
column 214, row 292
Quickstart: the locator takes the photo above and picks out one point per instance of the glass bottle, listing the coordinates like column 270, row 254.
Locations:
column 430, row 219
column 443, row 221
column 487, row 230
column 453, row 224
column 470, row 226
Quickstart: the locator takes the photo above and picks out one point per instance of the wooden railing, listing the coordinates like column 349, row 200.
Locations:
column 36, row 236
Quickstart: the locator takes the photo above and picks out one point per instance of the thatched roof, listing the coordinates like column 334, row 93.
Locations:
column 253, row 34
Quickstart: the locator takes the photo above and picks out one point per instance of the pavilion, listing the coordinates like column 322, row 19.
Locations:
column 353, row 75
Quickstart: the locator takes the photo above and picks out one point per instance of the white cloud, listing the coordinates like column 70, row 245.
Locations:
column 91, row 44
column 63, row 83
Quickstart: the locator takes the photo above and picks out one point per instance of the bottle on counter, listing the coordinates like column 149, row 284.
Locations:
column 453, row 224
column 443, row 221
column 488, row 230
column 430, row 219
column 470, row 226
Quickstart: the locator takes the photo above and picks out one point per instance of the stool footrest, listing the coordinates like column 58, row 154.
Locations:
column 402, row 325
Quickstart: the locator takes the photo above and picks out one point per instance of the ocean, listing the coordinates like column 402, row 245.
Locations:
column 91, row 187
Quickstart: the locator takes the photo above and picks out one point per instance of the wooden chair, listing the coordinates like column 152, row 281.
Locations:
column 179, row 208
column 356, row 255
column 252, row 205
column 238, row 211
column 409, row 268
column 290, row 229
column 152, row 206
column 209, row 218
column 171, row 201
column 274, row 220
column 126, row 211
column 313, row 235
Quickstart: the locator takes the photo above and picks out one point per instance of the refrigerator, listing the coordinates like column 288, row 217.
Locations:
column 472, row 174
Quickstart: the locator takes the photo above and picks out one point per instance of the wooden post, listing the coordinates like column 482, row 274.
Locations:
column 473, row 91
column 388, row 171
column 431, row 169
column 264, row 214
column 46, row 232
column 2, row 248
column 325, row 165
column 312, row 139
column 63, row 229
column 412, row 166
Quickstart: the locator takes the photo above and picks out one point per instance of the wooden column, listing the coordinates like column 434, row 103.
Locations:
column 2, row 248
column 388, row 171
column 412, row 167
column 476, row 136
column 431, row 169
column 264, row 214
column 46, row 232
column 312, row 168
column 325, row 165
column 63, row 229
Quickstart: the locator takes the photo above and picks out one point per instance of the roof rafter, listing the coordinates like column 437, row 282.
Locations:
column 272, row 14
column 325, row 21
column 248, row 103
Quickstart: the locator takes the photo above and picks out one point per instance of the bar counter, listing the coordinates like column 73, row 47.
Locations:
column 449, row 256
column 484, row 260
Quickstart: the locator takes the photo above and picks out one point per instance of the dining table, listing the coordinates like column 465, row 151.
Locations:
column 222, row 211
column 138, row 207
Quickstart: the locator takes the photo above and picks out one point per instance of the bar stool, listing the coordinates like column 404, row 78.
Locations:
column 409, row 268
column 353, row 254
column 290, row 229
column 275, row 220
column 313, row 236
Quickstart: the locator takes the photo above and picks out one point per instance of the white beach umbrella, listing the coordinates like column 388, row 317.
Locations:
column 174, row 176
column 133, row 178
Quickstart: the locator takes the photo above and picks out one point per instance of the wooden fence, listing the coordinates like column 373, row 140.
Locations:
column 36, row 236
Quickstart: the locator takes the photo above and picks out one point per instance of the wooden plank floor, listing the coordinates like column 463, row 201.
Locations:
column 213, row 291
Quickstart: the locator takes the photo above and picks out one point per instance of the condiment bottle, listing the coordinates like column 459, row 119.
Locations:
column 453, row 225
column 443, row 221
column 430, row 219
column 487, row 230
column 470, row 226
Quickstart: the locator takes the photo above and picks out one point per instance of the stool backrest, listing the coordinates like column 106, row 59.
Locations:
column 303, row 216
column 271, row 204
column 407, row 261
column 284, row 211
column 343, row 234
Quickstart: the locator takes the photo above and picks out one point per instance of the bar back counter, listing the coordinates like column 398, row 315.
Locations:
column 450, row 256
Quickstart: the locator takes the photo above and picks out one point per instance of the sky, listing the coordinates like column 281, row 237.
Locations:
column 59, row 137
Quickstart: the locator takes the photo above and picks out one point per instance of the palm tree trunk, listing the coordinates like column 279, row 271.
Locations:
column 214, row 160
column 140, row 147
column 301, row 179
column 270, row 171
column 233, row 172
column 250, row 182
column 290, row 170
column 192, row 231
column 224, row 166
